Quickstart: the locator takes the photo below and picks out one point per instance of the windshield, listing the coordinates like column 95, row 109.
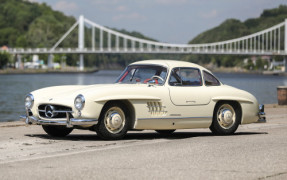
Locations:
column 143, row 74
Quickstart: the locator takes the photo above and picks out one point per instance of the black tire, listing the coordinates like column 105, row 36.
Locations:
column 165, row 132
column 113, row 123
column 57, row 131
column 226, row 118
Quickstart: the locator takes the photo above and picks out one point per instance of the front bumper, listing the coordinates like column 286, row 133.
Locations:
column 261, row 114
column 69, row 122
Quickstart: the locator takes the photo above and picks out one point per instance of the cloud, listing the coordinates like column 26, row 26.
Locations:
column 65, row 6
column 33, row 1
column 131, row 16
column 106, row 2
column 209, row 15
column 168, row 2
column 121, row 8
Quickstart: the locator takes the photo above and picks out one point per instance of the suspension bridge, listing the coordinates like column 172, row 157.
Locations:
column 271, row 41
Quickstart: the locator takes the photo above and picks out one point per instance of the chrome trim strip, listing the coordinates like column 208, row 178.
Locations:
column 23, row 118
column 53, row 119
column 262, row 117
column 63, row 111
column 261, row 114
column 157, row 106
column 262, row 120
column 69, row 122
column 261, row 107
column 207, row 117
column 157, row 111
column 44, row 122
column 57, row 111
column 84, row 121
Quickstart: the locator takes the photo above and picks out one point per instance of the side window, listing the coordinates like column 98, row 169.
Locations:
column 143, row 73
column 175, row 79
column 185, row 77
column 210, row 80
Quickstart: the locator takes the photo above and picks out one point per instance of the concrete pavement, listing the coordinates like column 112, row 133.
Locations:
column 256, row 151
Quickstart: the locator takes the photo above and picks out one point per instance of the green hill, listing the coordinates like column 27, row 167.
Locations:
column 35, row 25
column 233, row 28
column 26, row 24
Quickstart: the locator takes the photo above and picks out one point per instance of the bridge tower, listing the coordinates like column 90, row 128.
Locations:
column 81, row 42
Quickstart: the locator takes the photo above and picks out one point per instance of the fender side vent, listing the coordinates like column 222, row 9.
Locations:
column 156, row 109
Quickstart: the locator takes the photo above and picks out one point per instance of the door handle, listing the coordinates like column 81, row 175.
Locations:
column 190, row 101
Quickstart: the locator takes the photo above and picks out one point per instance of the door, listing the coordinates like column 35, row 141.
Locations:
column 186, row 87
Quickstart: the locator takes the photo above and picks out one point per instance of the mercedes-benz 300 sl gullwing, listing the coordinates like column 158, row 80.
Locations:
column 160, row 95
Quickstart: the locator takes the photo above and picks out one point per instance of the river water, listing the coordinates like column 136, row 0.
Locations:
column 13, row 88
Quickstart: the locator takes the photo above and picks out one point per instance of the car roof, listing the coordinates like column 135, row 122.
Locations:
column 171, row 63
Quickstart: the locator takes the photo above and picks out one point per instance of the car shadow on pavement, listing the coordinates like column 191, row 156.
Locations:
column 140, row 136
column 180, row 135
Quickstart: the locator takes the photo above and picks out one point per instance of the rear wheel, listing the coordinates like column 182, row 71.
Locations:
column 57, row 131
column 226, row 118
column 165, row 132
column 113, row 123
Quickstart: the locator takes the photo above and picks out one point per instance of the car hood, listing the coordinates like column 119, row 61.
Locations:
column 59, row 94
column 69, row 91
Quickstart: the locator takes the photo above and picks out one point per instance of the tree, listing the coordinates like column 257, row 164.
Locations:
column 249, row 65
column 4, row 59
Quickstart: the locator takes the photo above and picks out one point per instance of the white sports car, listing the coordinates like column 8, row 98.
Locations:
column 159, row 95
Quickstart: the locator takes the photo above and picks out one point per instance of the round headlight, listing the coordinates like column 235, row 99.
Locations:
column 79, row 102
column 29, row 101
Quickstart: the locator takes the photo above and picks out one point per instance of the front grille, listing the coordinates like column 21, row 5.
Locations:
column 51, row 111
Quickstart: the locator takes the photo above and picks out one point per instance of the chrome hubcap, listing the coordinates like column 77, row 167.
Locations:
column 226, row 116
column 115, row 120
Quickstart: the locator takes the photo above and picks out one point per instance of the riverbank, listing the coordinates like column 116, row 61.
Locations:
column 74, row 70
column 237, row 70
column 45, row 71
column 48, row 71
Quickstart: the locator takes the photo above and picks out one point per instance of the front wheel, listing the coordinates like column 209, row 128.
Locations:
column 57, row 131
column 226, row 118
column 113, row 123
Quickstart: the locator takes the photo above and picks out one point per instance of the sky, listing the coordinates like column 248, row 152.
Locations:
column 171, row 21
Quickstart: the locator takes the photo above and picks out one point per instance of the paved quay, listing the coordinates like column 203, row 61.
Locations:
column 256, row 151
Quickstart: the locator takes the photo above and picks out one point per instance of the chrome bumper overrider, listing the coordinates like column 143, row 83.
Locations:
column 69, row 122
column 261, row 114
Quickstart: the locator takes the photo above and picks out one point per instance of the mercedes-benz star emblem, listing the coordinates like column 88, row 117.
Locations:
column 49, row 111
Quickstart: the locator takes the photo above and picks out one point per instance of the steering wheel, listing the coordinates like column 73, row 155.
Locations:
column 158, row 77
column 156, row 81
